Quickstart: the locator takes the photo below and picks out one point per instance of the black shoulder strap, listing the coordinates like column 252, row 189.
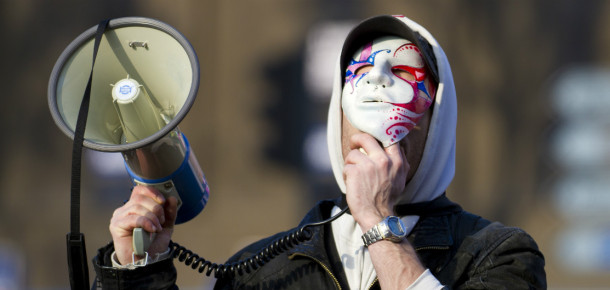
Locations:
column 77, row 252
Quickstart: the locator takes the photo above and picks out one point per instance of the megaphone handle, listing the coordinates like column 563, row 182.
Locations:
column 141, row 238
column 141, row 241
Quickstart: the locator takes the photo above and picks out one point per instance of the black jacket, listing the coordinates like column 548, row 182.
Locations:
column 462, row 250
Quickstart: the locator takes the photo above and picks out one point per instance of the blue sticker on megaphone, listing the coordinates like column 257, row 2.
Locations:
column 126, row 89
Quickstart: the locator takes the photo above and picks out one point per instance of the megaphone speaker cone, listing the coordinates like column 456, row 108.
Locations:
column 146, row 51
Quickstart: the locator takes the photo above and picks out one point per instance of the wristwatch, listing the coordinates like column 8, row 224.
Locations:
column 390, row 228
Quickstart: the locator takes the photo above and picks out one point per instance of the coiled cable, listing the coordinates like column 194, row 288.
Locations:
column 248, row 265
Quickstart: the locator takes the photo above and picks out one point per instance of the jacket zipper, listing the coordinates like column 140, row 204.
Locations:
column 376, row 279
column 373, row 284
column 323, row 266
column 432, row 248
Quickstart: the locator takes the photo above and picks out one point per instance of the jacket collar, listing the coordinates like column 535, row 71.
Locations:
column 432, row 230
column 312, row 246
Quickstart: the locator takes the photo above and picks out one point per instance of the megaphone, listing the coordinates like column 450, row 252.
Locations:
column 143, row 83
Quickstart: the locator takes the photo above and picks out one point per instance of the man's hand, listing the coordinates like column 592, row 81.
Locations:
column 374, row 179
column 147, row 209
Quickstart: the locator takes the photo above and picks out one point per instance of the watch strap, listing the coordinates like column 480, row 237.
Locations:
column 383, row 231
column 371, row 236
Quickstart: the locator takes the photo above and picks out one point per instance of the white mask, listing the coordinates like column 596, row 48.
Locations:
column 387, row 96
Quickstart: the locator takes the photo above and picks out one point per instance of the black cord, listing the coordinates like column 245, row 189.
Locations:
column 248, row 265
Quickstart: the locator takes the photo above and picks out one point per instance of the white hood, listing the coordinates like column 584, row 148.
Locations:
column 437, row 166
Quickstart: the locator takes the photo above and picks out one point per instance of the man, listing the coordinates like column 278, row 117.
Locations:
column 391, row 135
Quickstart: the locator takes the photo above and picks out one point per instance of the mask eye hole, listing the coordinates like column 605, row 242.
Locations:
column 403, row 74
column 363, row 69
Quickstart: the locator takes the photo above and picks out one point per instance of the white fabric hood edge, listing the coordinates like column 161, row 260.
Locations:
column 437, row 167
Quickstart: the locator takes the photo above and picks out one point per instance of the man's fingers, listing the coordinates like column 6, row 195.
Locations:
column 394, row 149
column 124, row 226
column 365, row 141
column 171, row 211
column 157, row 215
column 356, row 157
column 396, row 154
column 371, row 153
column 141, row 191
column 140, row 206
column 139, row 211
column 141, row 202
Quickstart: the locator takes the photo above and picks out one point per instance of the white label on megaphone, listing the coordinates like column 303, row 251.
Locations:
column 126, row 90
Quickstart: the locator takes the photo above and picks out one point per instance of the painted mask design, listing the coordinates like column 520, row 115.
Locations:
column 384, row 92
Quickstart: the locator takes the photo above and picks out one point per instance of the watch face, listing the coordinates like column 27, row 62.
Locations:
column 396, row 227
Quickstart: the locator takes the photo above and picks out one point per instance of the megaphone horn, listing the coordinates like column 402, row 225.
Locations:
column 144, row 82
column 150, row 52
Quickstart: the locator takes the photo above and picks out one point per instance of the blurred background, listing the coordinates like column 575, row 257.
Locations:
column 533, row 147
